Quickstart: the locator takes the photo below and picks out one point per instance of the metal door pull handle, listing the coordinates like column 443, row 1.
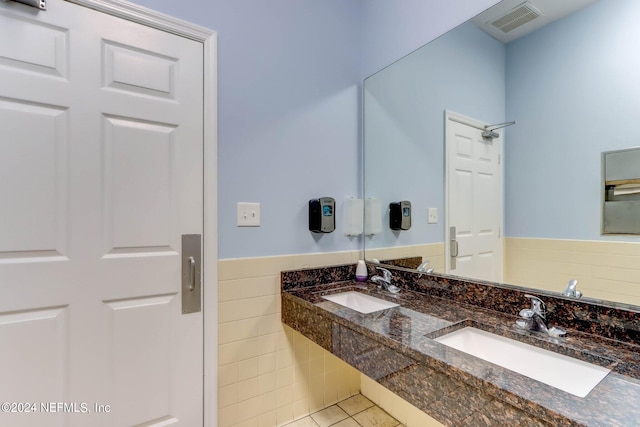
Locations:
column 191, row 277
column 454, row 248
column 192, row 273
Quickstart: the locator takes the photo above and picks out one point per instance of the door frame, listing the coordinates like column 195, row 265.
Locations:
column 208, row 38
column 450, row 116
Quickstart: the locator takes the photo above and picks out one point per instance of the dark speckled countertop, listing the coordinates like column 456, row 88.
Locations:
column 396, row 347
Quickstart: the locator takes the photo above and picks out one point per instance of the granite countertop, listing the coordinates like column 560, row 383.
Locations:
column 410, row 329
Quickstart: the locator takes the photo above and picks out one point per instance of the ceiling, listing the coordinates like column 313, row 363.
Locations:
column 549, row 11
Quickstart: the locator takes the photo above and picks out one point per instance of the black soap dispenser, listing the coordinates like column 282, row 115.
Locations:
column 322, row 218
column 400, row 215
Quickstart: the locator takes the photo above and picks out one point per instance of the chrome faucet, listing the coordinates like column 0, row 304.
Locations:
column 571, row 291
column 533, row 319
column 385, row 280
column 422, row 268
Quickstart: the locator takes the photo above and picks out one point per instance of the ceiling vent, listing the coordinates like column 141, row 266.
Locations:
column 516, row 17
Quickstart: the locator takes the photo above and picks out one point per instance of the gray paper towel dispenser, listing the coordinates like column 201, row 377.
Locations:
column 621, row 191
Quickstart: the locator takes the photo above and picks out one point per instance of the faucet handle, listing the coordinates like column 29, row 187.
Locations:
column 386, row 274
column 526, row 313
column 570, row 290
column 537, row 305
column 423, row 266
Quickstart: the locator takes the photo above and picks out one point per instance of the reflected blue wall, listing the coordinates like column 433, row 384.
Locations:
column 395, row 28
column 463, row 71
column 574, row 89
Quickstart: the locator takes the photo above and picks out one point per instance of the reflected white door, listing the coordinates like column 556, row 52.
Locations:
column 474, row 200
column 100, row 175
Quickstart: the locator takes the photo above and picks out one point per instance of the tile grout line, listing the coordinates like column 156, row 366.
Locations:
column 348, row 416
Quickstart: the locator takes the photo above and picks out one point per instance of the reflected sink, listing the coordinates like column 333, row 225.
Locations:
column 566, row 373
column 360, row 302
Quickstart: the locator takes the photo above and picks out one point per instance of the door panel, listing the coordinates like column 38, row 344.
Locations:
column 131, row 69
column 35, row 141
column 44, row 342
column 100, row 175
column 133, row 188
column 140, row 348
column 39, row 46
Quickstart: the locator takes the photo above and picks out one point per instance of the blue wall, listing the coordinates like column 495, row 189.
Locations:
column 290, row 74
column 288, row 115
column 395, row 28
column 573, row 88
column 462, row 71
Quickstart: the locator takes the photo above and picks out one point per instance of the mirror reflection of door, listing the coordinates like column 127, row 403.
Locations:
column 474, row 195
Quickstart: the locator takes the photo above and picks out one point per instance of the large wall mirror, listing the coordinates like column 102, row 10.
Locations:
column 570, row 79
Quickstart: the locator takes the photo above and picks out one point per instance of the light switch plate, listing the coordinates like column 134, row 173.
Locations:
column 248, row 214
column 432, row 216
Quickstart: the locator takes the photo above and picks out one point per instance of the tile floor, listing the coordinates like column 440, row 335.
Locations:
column 356, row 411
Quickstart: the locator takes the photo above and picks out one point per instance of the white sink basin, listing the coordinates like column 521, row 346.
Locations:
column 360, row 302
column 566, row 373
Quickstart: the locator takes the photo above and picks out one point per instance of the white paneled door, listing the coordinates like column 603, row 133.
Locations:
column 101, row 124
column 474, row 200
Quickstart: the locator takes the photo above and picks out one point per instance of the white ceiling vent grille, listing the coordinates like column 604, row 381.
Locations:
column 516, row 17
